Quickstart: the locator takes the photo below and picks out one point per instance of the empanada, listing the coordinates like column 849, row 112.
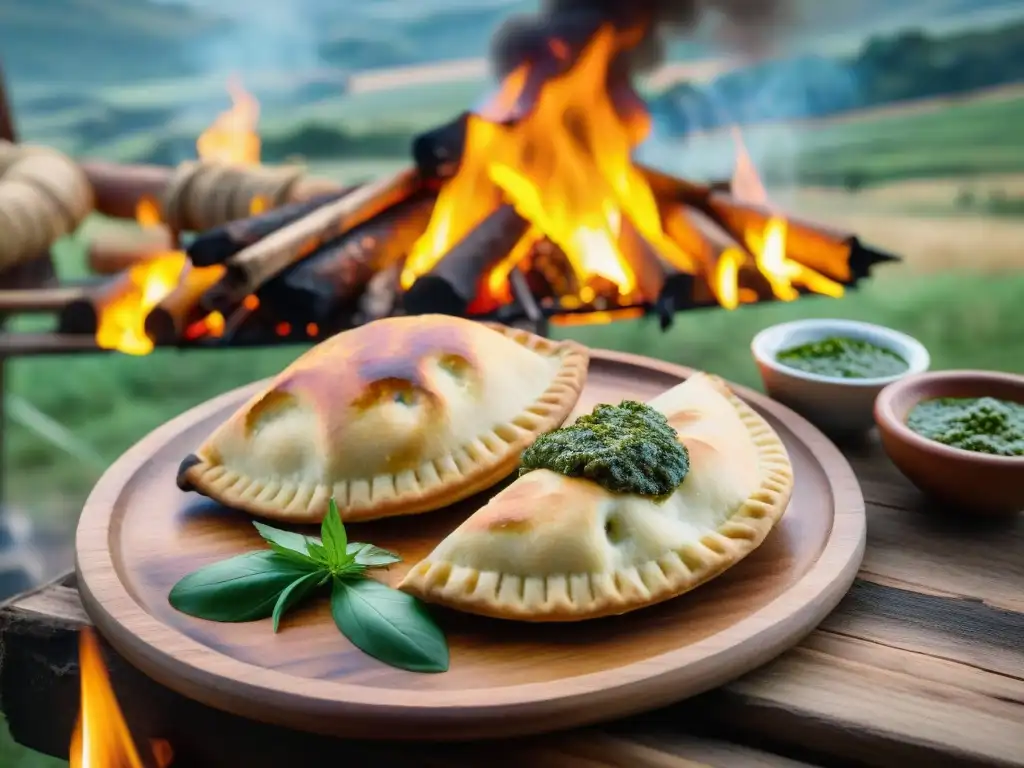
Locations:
column 557, row 548
column 400, row 416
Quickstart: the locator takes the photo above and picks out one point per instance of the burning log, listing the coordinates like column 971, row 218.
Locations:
column 438, row 151
column 118, row 188
column 113, row 252
column 115, row 312
column 670, row 189
column 648, row 267
column 82, row 314
column 454, row 281
column 718, row 255
column 251, row 267
column 217, row 245
column 167, row 323
column 833, row 253
column 327, row 283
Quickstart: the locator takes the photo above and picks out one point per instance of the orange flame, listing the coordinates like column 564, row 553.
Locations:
column 122, row 322
column 746, row 182
column 232, row 138
column 769, row 246
column 101, row 738
column 147, row 212
column 566, row 166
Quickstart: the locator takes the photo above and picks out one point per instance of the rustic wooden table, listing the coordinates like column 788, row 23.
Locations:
column 921, row 664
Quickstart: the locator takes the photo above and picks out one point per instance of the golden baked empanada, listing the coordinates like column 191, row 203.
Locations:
column 400, row 416
column 556, row 548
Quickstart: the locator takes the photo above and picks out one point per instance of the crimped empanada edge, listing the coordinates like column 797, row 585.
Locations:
column 576, row 597
column 470, row 469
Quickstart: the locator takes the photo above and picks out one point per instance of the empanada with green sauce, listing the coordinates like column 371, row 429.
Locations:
column 400, row 416
column 556, row 548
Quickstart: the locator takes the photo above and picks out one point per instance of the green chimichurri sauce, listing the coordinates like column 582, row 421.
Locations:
column 627, row 448
column 843, row 358
column 980, row 424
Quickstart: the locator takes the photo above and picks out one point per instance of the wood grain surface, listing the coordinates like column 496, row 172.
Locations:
column 138, row 535
column 921, row 664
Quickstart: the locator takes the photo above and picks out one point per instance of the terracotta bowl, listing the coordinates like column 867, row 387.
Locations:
column 954, row 477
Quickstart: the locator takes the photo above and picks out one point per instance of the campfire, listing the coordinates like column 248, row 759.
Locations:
column 529, row 210
column 101, row 738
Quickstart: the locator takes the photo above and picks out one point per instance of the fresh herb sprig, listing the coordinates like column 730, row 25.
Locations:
column 389, row 625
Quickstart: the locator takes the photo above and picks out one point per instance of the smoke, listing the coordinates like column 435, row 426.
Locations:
column 749, row 26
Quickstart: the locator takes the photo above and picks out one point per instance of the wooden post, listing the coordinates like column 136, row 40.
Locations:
column 7, row 130
column 7, row 133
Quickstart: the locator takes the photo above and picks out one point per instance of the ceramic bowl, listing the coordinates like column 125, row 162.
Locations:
column 836, row 405
column 973, row 481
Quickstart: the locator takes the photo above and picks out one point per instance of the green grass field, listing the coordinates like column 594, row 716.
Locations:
column 939, row 139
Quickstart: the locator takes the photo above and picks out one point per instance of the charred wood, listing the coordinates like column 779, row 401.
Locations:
column 252, row 267
column 82, row 314
column 834, row 253
column 166, row 323
column 452, row 284
column 217, row 245
column 325, row 286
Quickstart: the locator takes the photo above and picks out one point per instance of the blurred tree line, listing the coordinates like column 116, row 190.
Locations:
column 908, row 65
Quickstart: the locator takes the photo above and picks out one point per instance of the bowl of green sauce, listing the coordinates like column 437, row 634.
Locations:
column 830, row 371
column 958, row 436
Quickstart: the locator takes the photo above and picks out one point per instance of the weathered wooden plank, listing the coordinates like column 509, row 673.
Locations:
column 952, row 627
column 39, row 687
column 911, row 541
column 886, row 707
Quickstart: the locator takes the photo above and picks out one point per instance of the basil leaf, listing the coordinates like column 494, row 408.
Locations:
column 389, row 625
column 294, row 593
column 243, row 588
column 372, row 556
column 334, row 538
column 317, row 551
column 287, row 543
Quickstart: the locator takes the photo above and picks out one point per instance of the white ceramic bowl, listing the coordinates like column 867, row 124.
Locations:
column 834, row 404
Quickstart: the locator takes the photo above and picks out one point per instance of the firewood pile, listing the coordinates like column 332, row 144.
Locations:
column 529, row 210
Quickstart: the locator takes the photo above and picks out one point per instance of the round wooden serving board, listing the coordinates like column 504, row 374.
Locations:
column 139, row 534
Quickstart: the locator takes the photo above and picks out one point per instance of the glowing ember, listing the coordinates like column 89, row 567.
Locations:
column 233, row 138
column 101, row 738
column 566, row 166
column 147, row 212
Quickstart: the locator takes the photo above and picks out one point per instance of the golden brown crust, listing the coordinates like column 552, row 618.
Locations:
column 340, row 391
column 585, row 592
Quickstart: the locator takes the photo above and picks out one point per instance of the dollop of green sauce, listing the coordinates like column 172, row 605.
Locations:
column 626, row 448
column 980, row 424
column 843, row 358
